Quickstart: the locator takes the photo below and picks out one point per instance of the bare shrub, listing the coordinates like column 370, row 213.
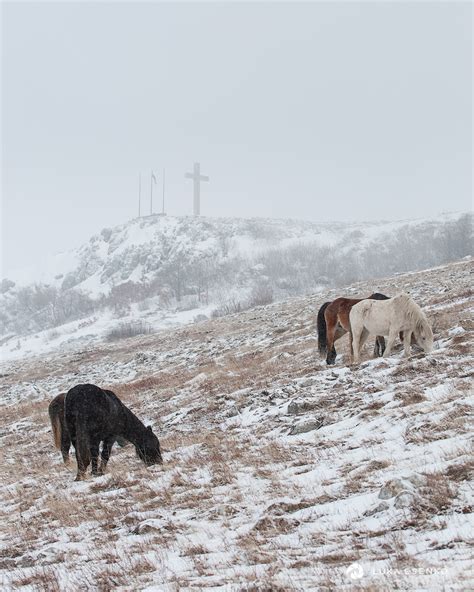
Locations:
column 230, row 306
column 261, row 294
column 131, row 329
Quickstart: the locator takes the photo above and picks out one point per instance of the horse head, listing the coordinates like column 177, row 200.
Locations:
column 148, row 448
column 424, row 336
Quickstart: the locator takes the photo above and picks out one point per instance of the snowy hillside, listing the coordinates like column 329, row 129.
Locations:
column 136, row 250
column 158, row 271
column 279, row 473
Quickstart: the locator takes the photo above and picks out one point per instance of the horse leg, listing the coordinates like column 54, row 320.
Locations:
column 331, row 350
column 390, row 342
column 331, row 327
column 363, row 338
column 379, row 346
column 407, row 343
column 355, row 332
column 94, row 450
column 105, row 455
column 65, row 445
column 83, row 455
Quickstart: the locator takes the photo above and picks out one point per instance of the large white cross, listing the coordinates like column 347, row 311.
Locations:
column 197, row 178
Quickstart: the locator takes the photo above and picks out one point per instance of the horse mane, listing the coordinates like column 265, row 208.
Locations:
column 413, row 312
column 379, row 296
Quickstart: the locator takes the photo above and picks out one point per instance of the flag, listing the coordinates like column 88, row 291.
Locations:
column 153, row 178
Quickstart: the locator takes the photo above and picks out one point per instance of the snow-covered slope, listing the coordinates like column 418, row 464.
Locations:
column 161, row 271
column 279, row 472
column 135, row 251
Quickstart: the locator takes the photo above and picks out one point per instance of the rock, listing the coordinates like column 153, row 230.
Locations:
column 298, row 407
column 307, row 382
column 405, row 499
column 232, row 412
column 416, row 480
column 380, row 508
column 145, row 357
column 306, row 426
column 150, row 525
column 293, row 408
column 391, row 488
column 408, row 485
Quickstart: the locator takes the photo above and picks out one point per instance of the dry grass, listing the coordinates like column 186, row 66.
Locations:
column 359, row 480
column 429, row 431
column 238, row 475
column 413, row 397
column 194, row 550
column 44, row 579
column 343, row 559
column 461, row 471
column 437, row 497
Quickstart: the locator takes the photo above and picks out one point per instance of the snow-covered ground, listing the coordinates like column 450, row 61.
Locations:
column 93, row 330
column 279, row 473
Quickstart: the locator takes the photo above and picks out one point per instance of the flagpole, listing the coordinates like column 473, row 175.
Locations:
column 163, row 192
column 139, row 192
column 151, row 193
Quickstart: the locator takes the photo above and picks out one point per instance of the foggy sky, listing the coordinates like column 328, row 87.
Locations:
column 320, row 111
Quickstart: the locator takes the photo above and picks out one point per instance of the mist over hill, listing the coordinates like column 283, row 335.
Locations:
column 215, row 266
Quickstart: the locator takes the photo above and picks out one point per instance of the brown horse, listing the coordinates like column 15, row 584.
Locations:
column 61, row 437
column 333, row 323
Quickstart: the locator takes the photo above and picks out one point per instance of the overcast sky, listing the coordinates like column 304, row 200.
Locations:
column 320, row 111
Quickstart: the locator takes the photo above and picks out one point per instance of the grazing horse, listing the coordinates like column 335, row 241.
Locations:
column 333, row 323
column 92, row 416
column 390, row 317
column 61, row 437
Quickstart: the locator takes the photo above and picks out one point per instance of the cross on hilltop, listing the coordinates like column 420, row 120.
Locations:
column 197, row 178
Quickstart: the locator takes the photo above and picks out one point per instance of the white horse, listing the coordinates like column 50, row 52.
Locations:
column 389, row 317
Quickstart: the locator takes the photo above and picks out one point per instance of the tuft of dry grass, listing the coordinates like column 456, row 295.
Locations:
column 461, row 471
column 194, row 550
column 44, row 579
column 276, row 525
column 436, row 498
column 411, row 397
column 427, row 432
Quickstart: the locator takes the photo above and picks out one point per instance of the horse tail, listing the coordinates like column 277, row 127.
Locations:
column 322, row 330
column 56, row 425
column 57, row 431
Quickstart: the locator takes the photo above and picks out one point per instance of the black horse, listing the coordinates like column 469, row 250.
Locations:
column 92, row 416
column 337, row 313
column 61, row 437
